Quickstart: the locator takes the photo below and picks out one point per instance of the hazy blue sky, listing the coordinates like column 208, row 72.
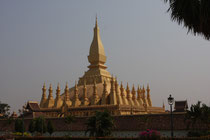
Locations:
column 48, row 41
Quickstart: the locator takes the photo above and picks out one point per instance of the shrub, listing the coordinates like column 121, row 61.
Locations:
column 149, row 135
column 32, row 126
column 18, row 125
column 40, row 125
column 20, row 134
column 198, row 133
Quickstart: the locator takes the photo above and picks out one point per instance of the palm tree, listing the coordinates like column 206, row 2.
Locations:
column 100, row 125
column 193, row 14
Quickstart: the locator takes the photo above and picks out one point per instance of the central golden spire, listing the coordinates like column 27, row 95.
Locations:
column 97, row 56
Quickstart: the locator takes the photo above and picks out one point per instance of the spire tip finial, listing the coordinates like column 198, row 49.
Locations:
column 44, row 85
column 127, row 86
column 133, row 88
column 96, row 20
column 66, row 85
column 58, row 86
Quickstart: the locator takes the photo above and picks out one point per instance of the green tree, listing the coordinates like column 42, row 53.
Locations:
column 100, row 125
column 50, row 127
column 198, row 113
column 192, row 14
column 40, row 125
column 9, row 120
column 69, row 119
column 32, row 126
column 205, row 115
column 4, row 110
column 19, row 125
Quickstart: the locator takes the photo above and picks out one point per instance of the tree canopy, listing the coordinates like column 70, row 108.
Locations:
column 100, row 125
column 32, row 126
column 40, row 125
column 4, row 110
column 192, row 14
column 198, row 113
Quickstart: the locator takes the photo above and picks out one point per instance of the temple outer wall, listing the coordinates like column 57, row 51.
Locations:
column 120, row 134
column 126, row 126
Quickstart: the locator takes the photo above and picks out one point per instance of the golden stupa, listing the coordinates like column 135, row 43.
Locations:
column 97, row 90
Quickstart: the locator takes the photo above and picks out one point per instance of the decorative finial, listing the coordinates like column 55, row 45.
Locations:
column 116, row 83
column 58, row 86
column 147, row 86
column 50, row 86
column 133, row 87
column 96, row 24
column 138, row 88
column 66, row 85
column 127, row 86
column 75, row 84
column 121, row 85
column 44, row 85
column 143, row 89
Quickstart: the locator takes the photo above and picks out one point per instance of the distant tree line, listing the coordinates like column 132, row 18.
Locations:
column 38, row 125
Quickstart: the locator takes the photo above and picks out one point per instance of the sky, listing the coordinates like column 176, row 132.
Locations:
column 49, row 40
